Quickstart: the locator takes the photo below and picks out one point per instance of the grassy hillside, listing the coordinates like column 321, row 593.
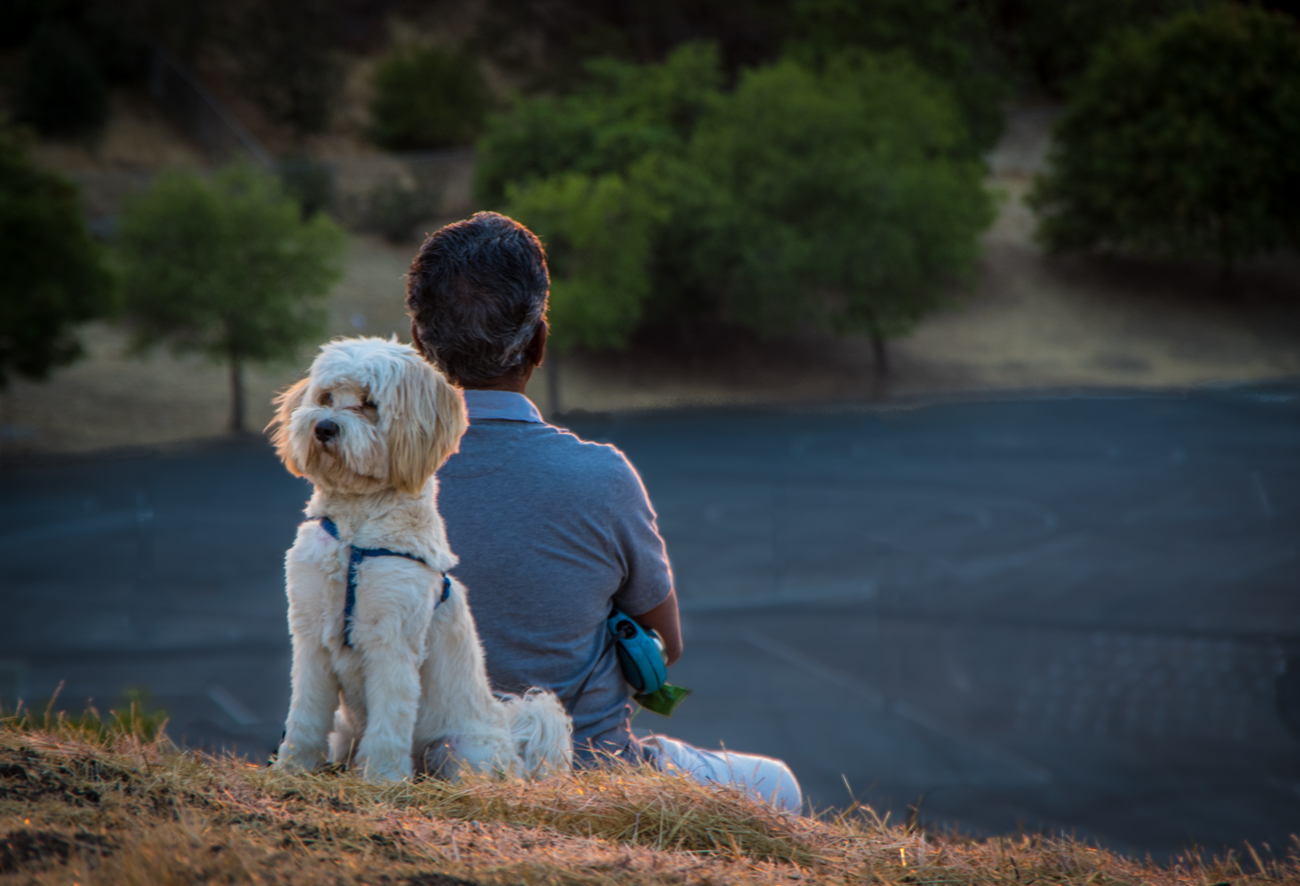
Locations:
column 103, row 802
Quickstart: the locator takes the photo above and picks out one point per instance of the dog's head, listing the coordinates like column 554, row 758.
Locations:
column 371, row 415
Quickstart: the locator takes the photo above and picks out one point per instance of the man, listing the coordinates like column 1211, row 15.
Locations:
column 551, row 531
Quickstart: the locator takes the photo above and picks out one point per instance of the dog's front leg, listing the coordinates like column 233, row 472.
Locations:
column 314, row 697
column 392, row 695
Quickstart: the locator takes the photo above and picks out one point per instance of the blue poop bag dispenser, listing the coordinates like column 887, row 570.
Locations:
column 641, row 655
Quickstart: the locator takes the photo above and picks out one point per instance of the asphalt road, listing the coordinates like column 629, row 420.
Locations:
column 1071, row 613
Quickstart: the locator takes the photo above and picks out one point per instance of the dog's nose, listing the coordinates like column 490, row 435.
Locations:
column 326, row 430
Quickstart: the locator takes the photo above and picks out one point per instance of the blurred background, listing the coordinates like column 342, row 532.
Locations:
column 957, row 341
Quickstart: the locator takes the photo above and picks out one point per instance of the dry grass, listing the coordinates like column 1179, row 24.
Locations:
column 85, row 803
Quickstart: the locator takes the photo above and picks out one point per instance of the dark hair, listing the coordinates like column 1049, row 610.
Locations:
column 476, row 292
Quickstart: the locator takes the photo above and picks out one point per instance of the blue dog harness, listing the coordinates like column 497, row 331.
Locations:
column 355, row 556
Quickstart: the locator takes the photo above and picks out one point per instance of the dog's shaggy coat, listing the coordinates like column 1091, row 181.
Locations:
column 369, row 426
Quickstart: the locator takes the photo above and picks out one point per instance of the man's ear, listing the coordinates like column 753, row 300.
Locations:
column 537, row 346
column 286, row 402
column 453, row 419
column 426, row 420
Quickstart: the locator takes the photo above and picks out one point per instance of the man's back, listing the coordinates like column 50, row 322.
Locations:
column 580, row 532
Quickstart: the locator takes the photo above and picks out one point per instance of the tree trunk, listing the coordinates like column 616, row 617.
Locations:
column 553, row 384
column 236, row 396
column 880, row 356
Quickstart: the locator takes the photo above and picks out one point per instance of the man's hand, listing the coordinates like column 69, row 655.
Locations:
column 665, row 620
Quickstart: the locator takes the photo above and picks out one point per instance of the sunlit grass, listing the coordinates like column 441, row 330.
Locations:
column 93, row 799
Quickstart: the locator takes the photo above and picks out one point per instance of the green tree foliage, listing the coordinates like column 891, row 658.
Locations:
column 1182, row 140
column 62, row 92
column 52, row 274
column 597, row 231
column 947, row 38
column 622, row 113
column 590, row 169
column 427, row 97
column 227, row 268
column 845, row 199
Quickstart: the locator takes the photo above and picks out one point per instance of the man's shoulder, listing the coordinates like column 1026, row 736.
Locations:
column 566, row 450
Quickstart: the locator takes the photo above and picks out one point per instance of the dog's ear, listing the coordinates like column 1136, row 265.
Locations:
column 425, row 428
column 285, row 403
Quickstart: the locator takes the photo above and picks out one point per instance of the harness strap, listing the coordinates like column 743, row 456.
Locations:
column 355, row 556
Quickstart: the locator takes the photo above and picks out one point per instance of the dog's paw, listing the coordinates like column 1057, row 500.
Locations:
column 383, row 768
column 289, row 758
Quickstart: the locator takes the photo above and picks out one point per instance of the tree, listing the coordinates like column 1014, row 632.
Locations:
column 426, row 97
column 1182, row 140
column 582, row 171
column 228, row 268
column 845, row 199
column 597, row 231
column 52, row 274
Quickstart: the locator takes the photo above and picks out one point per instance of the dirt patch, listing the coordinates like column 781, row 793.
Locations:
column 25, row 847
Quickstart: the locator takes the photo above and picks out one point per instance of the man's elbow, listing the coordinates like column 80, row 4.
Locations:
column 665, row 621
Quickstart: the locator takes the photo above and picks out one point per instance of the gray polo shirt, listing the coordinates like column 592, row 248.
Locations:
column 551, row 532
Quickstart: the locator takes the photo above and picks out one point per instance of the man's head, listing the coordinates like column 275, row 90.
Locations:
column 476, row 293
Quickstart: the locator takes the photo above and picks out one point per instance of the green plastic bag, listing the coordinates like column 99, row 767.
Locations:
column 663, row 700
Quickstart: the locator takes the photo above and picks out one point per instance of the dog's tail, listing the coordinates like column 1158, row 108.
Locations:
column 542, row 731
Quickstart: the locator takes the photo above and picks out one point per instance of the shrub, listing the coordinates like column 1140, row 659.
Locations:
column 396, row 207
column 310, row 182
column 426, row 97
column 845, row 199
column 227, row 268
column 52, row 274
column 1182, row 140
column 62, row 92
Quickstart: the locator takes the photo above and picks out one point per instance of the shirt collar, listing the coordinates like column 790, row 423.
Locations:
column 500, row 406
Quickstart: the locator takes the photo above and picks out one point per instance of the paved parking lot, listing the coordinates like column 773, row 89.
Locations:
column 1062, row 612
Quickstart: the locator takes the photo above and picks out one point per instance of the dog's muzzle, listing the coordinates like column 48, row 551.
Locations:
column 326, row 430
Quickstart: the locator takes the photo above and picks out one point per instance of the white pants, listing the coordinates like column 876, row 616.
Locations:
column 763, row 777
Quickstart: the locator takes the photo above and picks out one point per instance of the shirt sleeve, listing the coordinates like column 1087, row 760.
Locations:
column 648, row 576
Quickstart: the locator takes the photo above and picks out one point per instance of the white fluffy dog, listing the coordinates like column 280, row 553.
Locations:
column 387, row 667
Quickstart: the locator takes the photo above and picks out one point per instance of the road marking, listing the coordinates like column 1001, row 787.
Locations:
column 234, row 708
column 1261, row 495
column 987, row 567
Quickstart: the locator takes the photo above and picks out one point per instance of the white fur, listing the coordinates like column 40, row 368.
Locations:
column 412, row 693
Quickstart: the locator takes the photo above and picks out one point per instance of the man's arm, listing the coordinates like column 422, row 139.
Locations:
column 665, row 619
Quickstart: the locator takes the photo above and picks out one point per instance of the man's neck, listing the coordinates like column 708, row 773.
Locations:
column 516, row 383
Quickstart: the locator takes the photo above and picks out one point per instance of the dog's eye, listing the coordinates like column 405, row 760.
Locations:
column 369, row 405
column 325, row 398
